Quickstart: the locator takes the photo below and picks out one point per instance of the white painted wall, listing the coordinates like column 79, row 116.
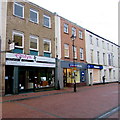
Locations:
column 58, row 36
column 99, row 48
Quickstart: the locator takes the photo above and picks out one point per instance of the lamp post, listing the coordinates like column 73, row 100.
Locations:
column 73, row 40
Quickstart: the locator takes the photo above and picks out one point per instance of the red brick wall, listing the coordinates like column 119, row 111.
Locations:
column 65, row 39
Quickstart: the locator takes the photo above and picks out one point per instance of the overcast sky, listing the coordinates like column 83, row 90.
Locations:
column 98, row 16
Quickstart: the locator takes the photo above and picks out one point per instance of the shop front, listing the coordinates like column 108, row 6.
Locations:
column 71, row 73
column 28, row 73
column 94, row 72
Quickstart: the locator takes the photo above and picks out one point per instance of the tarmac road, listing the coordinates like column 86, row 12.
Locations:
column 88, row 102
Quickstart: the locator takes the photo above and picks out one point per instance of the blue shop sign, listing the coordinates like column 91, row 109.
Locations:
column 75, row 65
column 94, row 66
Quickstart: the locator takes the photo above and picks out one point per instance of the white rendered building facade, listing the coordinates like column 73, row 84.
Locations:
column 102, row 59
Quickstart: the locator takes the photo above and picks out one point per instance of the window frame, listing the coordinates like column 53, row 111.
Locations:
column 65, row 25
column 80, row 34
column 91, row 40
column 20, row 5
column 49, row 21
column 74, row 29
column 81, row 53
column 19, row 34
column 97, row 42
column 49, row 41
column 75, row 52
column 35, row 11
column 36, row 37
column 67, row 49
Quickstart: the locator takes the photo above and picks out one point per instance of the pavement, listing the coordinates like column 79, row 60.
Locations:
column 97, row 101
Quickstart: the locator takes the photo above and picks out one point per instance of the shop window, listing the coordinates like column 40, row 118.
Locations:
column 18, row 10
column 47, row 21
column 34, row 16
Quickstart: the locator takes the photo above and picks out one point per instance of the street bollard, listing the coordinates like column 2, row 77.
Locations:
column 74, row 86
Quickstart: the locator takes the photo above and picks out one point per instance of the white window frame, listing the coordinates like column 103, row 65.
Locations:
column 103, row 44
column 74, row 29
column 107, row 46
column 66, row 46
column 49, row 41
column 16, row 3
column 35, row 11
column 65, row 26
column 91, row 55
column 75, row 52
column 91, row 40
column 81, row 53
column 49, row 21
column 98, row 57
column 97, row 42
column 19, row 34
column 34, row 37
column 80, row 34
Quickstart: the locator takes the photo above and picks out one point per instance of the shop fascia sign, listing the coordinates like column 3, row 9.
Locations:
column 75, row 65
column 94, row 66
column 19, row 56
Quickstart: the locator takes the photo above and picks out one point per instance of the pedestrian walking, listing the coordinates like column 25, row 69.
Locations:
column 103, row 78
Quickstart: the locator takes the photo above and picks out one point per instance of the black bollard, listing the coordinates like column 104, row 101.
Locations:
column 74, row 86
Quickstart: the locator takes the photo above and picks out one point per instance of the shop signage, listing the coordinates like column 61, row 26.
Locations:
column 12, row 46
column 94, row 66
column 29, row 60
column 75, row 65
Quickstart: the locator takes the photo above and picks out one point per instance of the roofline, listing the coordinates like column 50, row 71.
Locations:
column 69, row 21
column 34, row 5
column 101, row 37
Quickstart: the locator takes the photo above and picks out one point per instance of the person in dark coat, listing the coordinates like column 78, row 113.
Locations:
column 103, row 78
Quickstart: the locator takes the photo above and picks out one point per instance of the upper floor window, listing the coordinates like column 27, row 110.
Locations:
column 66, row 28
column 18, row 10
column 103, row 44
column 98, row 57
column 91, row 55
column 74, row 52
column 73, row 31
column 97, row 41
column 81, row 54
column 47, row 21
column 108, row 46
column 66, row 50
column 104, row 59
column 80, row 34
column 112, row 47
column 47, row 46
column 34, row 16
column 91, row 41
column 18, row 38
column 33, row 42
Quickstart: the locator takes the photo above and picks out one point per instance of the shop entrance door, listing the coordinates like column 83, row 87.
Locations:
column 9, row 80
column 26, row 80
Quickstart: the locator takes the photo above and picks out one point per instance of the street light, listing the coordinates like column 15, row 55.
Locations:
column 73, row 39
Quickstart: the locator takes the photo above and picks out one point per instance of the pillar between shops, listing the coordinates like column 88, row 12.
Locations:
column 15, row 80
